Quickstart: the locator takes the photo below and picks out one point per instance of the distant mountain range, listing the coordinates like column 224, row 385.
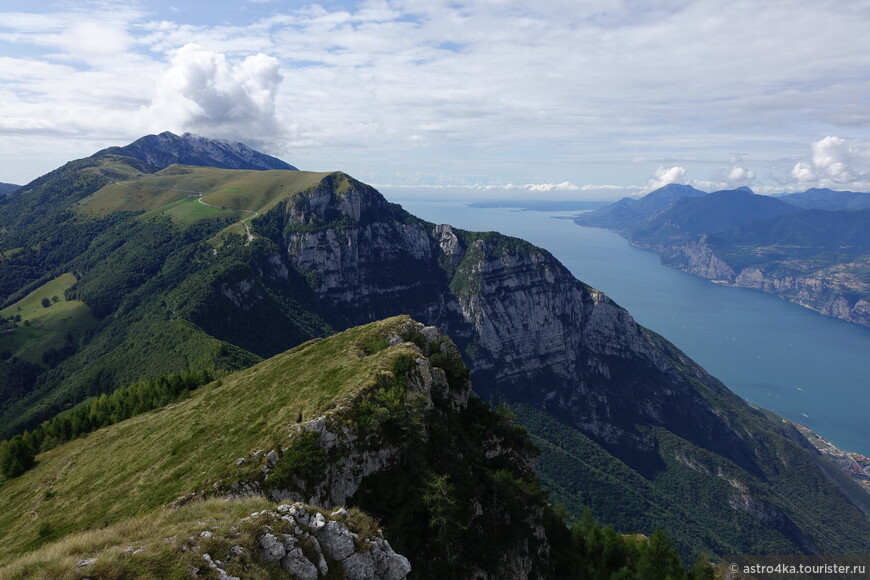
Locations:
column 6, row 188
column 116, row 273
column 827, row 199
column 811, row 248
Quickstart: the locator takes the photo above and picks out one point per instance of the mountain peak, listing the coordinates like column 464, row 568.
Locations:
column 167, row 148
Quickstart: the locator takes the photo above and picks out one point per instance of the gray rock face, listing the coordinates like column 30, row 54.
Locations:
column 165, row 149
column 314, row 540
column 524, row 321
column 697, row 258
column 340, row 478
column 272, row 547
column 830, row 291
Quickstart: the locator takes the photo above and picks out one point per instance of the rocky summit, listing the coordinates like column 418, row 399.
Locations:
column 165, row 149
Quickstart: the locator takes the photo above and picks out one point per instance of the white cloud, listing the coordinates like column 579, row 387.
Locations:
column 804, row 173
column 738, row 176
column 205, row 93
column 731, row 177
column 836, row 162
column 664, row 176
column 563, row 91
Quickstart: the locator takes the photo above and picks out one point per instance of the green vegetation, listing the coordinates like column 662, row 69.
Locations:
column 158, row 545
column 40, row 232
column 248, row 190
column 153, row 458
column 55, row 324
column 18, row 454
column 582, row 475
column 589, row 551
column 304, row 459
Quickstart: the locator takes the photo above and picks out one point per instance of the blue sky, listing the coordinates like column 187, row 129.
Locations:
column 570, row 99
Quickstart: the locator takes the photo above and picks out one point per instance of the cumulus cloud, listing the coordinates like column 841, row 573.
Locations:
column 205, row 93
column 664, row 176
column 731, row 177
column 738, row 176
column 381, row 83
column 836, row 162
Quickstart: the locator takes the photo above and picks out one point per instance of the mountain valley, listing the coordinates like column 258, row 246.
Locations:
column 160, row 268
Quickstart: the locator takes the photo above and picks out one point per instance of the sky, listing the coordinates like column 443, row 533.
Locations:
column 559, row 99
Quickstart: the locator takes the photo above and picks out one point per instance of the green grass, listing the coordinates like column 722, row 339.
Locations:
column 260, row 191
column 190, row 211
column 166, row 543
column 148, row 461
column 238, row 189
column 48, row 326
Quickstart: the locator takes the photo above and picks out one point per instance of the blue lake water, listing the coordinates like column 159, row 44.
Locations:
column 804, row 366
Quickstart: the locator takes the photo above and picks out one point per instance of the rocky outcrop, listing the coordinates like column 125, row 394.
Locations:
column 528, row 327
column 696, row 257
column 312, row 544
column 351, row 446
column 384, row 428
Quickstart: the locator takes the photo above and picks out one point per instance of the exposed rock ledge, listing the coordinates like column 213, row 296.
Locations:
column 311, row 545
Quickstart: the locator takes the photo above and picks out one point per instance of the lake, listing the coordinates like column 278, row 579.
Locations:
column 806, row 367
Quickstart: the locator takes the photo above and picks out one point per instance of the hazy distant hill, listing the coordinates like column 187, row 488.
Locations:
column 6, row 188
column 828, row 199
column 714, row 212
column 819, row 259
column 628, row 213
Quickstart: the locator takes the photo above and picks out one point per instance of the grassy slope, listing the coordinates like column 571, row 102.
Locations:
column 159, row 539
column 240, row 189
column 48, row 326
column 187, row 194
column 145, row 462
column 129, row 285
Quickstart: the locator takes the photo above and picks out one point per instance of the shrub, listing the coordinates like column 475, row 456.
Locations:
column 303, row 459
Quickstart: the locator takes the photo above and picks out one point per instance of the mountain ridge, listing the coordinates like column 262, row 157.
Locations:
column 740, row 239
column 165, row 149
column 369, row 397
column 335, row 253
column 829, row 199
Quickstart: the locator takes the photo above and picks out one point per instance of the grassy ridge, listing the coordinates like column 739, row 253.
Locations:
column 238, row 189
column 151, row 459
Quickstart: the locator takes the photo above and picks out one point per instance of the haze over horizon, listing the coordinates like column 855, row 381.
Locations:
column 566, row 100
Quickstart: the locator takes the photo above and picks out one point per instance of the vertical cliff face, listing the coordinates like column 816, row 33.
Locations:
column 531, row 333
column 529, row 328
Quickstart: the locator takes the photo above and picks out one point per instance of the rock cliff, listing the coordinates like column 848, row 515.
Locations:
column 532, row 333
column 519, row 315
column 417, row 420
column 836, row 290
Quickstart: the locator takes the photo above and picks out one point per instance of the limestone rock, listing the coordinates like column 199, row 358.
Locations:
column 317, row 539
